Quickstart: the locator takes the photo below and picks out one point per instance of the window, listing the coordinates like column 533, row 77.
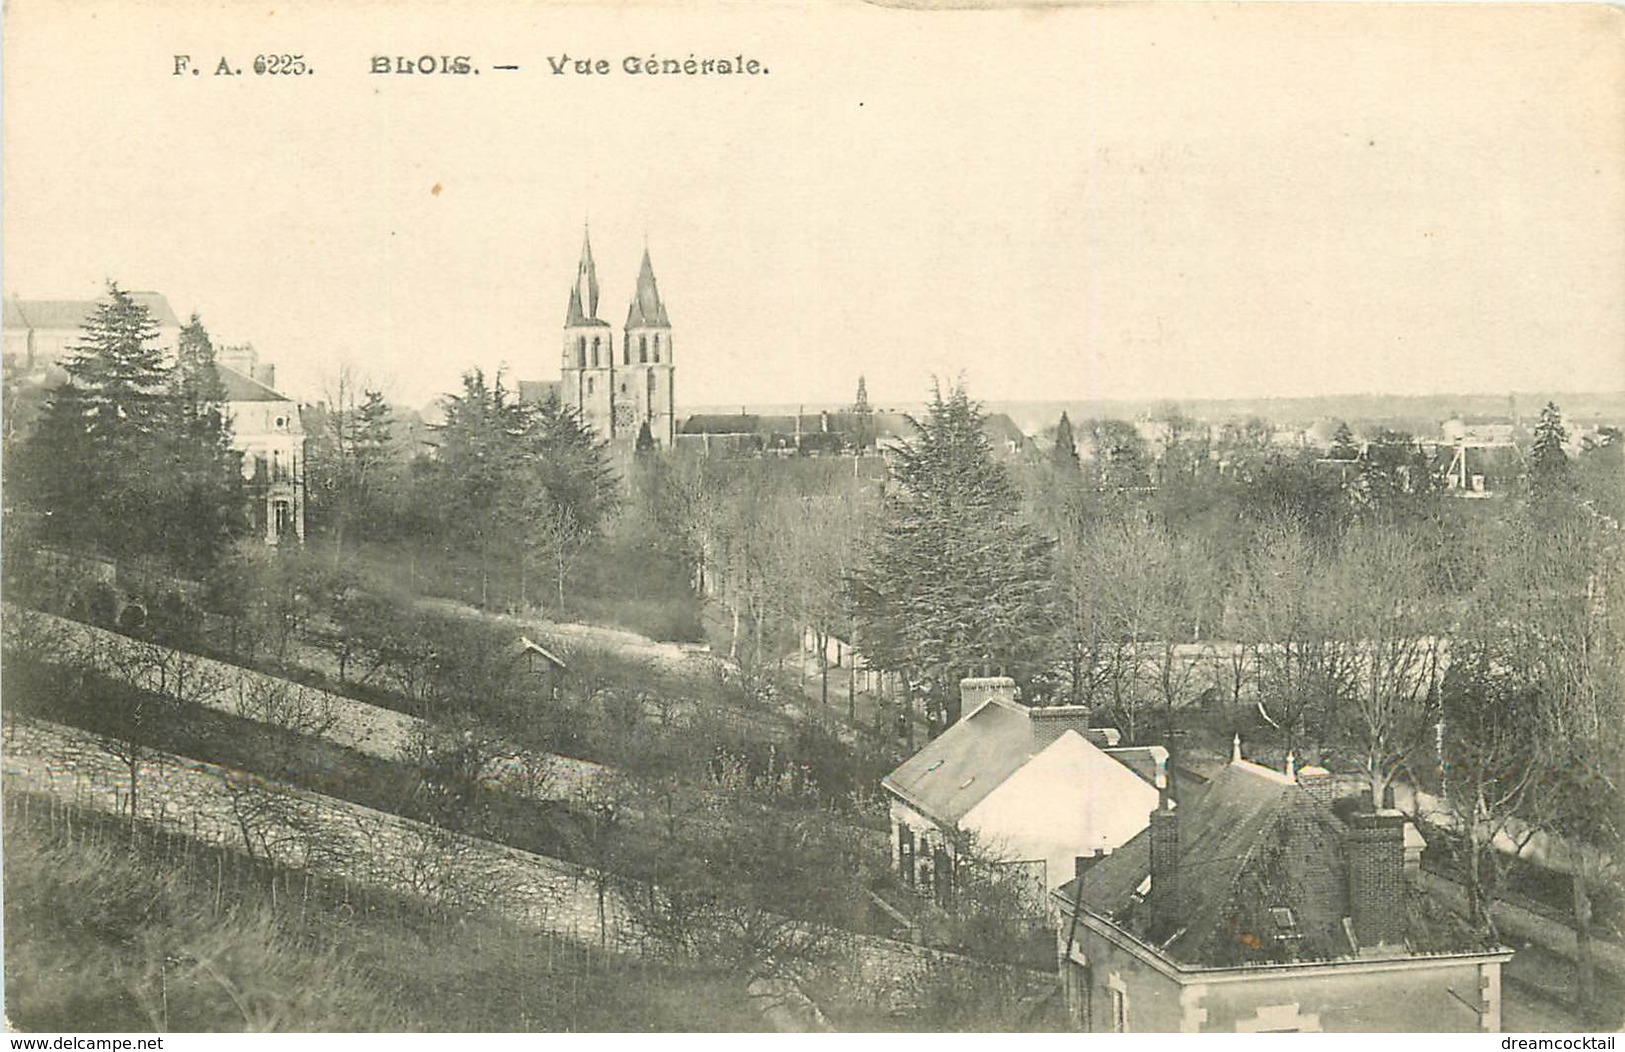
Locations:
column 283, row 519
column 589, row 385
column 1117, row 1005
column 626, row 350
column 657, row 347
column 643, row 349
column 581, row 352
column 649, row 406
column 595, row 342
column 1280, row 1019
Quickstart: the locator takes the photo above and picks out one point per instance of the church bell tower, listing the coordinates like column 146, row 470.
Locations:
column 644, row 391
column 587, row 373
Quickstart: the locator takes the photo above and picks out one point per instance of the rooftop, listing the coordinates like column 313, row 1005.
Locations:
column 71, row 314
column 243, row 388
column 961, row 766
column 1252, row 840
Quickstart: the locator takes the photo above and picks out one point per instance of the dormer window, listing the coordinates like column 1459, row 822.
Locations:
column 1286, row 923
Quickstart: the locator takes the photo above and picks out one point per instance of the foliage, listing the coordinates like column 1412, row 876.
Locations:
column 103, row 939
column 955, row 583
column 1549, row 467
column 1065, row 450
column 132, row 456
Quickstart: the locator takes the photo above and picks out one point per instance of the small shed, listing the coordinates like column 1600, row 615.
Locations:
column 543, row 664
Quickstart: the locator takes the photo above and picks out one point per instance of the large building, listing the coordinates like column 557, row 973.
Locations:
column 41, row 335
column 619, row 387
column 266, row 430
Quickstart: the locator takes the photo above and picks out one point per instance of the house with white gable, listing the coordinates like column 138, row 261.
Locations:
column 1024, row 786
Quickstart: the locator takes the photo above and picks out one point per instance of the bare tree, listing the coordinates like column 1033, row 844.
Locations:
column 1392, row 627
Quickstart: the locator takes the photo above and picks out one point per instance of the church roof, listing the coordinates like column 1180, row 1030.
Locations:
column 647, row 311
column 583, row 309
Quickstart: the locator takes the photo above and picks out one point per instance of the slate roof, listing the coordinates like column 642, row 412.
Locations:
column 1233, row 836
column 647, row 311
column 583, row 309
column 1219, row 832
column 535, row 392
column 71, row 314
column 241, row 388
column 955, row 771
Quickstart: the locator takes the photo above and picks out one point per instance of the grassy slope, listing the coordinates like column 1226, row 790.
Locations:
column 100, row 936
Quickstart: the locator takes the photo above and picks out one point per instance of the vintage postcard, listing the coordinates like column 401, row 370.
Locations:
column 558, row 517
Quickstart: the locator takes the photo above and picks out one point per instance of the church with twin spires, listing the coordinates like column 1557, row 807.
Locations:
column 619, row 386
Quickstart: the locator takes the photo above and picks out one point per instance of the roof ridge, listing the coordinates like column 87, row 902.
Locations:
column 1260, row 770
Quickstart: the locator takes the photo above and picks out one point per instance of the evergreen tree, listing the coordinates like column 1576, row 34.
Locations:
column 199, row 392
column 370, row 462
column 476, row 474
column 199, row 500
column 570, row 464
column 1548, row 465
column 646, row 441
column 523, row 480
column 1343, row 444
column 956, row 585
column 132, row 456
column 1065, row 451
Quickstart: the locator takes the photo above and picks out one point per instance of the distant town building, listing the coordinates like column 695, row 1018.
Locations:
column 814, row 432
column 1263, row 905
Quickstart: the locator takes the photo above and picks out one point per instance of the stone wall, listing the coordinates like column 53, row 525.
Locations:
column 252, row 695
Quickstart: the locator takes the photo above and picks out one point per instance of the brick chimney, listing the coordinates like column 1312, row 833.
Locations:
column 975, row 690
column 1375, row 848
column 1317, row 782
column 240, row 358
column 1051, row 721
column 1167, row 907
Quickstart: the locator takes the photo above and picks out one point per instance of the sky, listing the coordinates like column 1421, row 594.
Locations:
column 1137, row 201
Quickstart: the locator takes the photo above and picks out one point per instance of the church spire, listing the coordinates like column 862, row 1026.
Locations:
column 647, row 311
column 584, row 293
